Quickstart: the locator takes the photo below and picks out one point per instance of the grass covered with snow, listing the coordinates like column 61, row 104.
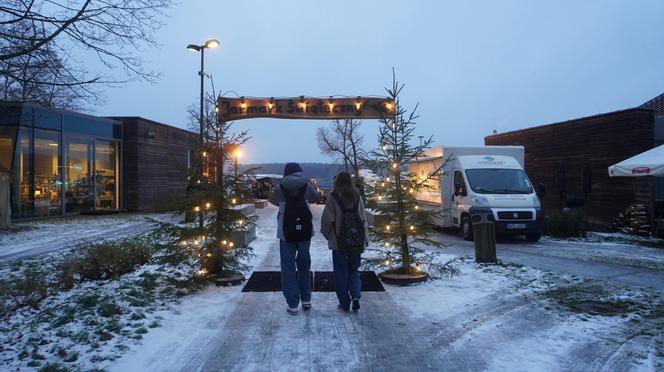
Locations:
column 53, row 317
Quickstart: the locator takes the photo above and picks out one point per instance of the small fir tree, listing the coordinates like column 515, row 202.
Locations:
column 215, row 197
column 404, row 228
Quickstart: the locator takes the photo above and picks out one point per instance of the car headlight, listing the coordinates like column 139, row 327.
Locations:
column 536, row 202
column 480, row 200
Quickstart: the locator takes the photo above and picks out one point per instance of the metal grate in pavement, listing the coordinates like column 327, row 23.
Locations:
column 263, row 281
column 324, row 282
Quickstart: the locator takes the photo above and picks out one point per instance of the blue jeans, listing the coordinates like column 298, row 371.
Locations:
column 347, row 281
column 295, row 284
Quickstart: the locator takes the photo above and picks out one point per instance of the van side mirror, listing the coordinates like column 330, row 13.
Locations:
column 540, row 190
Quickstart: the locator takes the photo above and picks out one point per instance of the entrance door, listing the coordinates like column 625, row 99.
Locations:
column 78, row 166
column 106, row 177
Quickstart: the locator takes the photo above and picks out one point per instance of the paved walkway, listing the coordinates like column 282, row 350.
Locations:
column 571, row 258
column 260, row 336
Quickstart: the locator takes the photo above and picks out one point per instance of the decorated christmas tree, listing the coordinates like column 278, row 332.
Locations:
column 216, row 195
column 402, row 230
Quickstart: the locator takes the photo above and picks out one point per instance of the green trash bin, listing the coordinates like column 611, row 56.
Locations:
column 484, row 237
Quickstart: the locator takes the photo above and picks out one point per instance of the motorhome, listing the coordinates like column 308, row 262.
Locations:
column 486, row 182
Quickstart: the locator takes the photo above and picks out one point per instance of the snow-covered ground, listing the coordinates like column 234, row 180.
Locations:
column 489, row 317
column 43, row 236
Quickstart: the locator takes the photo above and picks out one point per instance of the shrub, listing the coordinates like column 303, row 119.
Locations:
column 565, row 224
column 27, row 290
column 105, row 260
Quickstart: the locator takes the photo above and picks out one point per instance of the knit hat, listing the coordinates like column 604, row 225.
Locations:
column 292, row 168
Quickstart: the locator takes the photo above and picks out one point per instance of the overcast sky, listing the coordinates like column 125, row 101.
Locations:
column 474, row 66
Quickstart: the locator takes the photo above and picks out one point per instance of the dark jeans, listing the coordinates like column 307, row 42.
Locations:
column 295, row 284
column 346, row 277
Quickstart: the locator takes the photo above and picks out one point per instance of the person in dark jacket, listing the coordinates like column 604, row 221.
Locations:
column 295, row 258
column 346, row 275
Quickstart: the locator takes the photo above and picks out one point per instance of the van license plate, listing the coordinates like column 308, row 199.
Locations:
column 516, row 226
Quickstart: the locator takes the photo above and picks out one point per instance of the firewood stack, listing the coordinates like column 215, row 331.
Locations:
column 635, row 220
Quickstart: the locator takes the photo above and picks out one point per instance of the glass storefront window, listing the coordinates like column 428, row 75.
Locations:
column 47, row 179
column 77, row 165
column 106, row 185
column 21, row 186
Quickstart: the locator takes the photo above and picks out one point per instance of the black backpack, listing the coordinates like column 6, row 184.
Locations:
column 351, row 237
column 298, row 224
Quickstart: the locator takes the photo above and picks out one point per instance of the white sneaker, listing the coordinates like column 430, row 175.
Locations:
column 292, row 310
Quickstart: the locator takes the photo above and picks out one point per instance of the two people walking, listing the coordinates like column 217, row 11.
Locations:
column 343, row 224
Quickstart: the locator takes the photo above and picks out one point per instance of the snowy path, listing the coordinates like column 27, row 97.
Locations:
column 260, row 335
column 605, row 261
column 52, row 235
column 479, row 320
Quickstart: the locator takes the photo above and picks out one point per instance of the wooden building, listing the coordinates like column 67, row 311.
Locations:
column 156, row 162
column 571, row 159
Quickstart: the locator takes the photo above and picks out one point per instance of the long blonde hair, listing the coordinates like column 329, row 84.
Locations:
column 344, row 187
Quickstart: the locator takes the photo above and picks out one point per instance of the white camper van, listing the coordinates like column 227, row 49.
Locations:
column 486, row 180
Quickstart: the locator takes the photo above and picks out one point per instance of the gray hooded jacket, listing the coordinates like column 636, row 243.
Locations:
column 291, row 184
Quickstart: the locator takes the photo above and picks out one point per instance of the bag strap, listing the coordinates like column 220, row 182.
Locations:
column 342, row 205
column 300, row 193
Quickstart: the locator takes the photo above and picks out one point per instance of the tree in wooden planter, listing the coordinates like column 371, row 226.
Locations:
column 403, row 230
column 216, row 196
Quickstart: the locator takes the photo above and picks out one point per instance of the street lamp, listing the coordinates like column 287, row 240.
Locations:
column 212, row 43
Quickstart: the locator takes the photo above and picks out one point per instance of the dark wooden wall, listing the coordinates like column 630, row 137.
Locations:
column 154, row 162
column 589, row 144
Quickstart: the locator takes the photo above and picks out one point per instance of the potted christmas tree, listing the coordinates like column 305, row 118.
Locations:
column 402, row 230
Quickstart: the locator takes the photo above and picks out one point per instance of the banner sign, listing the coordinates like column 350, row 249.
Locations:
column 304, row 108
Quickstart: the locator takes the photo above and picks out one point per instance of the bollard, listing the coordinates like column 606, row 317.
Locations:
column 484, row 237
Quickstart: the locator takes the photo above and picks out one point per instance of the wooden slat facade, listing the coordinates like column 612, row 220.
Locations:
column 571, row 159
column 155, row 162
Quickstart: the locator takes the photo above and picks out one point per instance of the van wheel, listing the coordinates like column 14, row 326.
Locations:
column 533, row 237
column 466, row 229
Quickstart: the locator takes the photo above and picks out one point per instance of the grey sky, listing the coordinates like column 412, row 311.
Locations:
column 474, row 66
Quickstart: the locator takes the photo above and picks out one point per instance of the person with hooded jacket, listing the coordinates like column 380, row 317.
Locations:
column 295, row 258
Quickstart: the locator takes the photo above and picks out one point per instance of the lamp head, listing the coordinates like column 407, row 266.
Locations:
column 193, row 48
column 212, row 43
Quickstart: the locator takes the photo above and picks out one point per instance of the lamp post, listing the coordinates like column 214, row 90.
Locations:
column 212, row 43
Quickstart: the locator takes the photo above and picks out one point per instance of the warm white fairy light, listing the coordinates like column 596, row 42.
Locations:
column 417, row 207
column 387, row 227
column 412, row 227
column 207, row 205
column 202, row 272
column 387, row 262
column 233, row 201
column 197, row 208
column 240, row 222
column 209, row 255
column 230, row 244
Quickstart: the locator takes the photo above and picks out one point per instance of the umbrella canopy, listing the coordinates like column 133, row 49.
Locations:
column 649, row 163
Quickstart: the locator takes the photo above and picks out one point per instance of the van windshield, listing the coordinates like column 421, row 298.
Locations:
column 499, row 181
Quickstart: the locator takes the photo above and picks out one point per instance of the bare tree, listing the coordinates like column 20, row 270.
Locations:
column 343, row 142
column 46, row 46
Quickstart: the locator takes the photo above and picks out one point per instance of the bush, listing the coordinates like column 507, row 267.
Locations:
column 28, row 290
column 105, row 260
column 565, row 224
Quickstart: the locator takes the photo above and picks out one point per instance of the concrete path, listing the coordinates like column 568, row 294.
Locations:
column 260, row 336
column 574, row 258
